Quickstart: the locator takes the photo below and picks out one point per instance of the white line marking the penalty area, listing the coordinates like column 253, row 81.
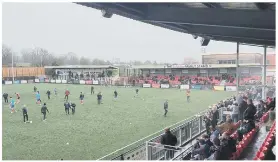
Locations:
column 149, row 136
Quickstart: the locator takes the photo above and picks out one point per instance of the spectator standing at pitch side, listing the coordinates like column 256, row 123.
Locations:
column 5, row 96
column 43, row 111
column 170, row 140
column 67, row 93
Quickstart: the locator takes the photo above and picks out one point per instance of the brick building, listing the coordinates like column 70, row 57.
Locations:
column 244, row 58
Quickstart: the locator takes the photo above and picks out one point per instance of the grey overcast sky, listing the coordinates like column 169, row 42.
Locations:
column 68, row 27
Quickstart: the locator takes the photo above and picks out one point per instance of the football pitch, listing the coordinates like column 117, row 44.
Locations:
column 94, row 130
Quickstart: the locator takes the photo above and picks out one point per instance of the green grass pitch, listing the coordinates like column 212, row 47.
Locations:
column 94, row 130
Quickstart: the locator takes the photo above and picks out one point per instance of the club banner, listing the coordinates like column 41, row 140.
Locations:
column 184, row 86
column 37, row 80
column 23, row 81
column 95, row 82
column 58, row 81
column 76, row 82
column 46, row 80
column 196, row 87
column 8, row 82
column 219, row 88
column 146, row 86
column 165, row 86
column 82, row 82
column 174, row 85
column 30, row 81
column 64, row 81
column 231, row 88
column 53, row 81
column 17, row 82
column 156, row 85
column 89, row 82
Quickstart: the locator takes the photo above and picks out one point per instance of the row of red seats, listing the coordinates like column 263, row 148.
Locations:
column 243, row 144
column 246, row 138
column 260, row 155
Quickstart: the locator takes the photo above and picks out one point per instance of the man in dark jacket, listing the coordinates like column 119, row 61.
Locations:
column 202, row 152
column 5, row 96
column 231, row 142
column 48, row 94
column 165, row 108
column 43, row 111
column 249, row 113
column 67, row 107
column 248, row 122
column 73, row 105
column 99, row 98
column 272, row 104
column 221, row 150
column 92, row 90
column 215, row 117
column 170, row 140
column 25, row 114
column 242, row 107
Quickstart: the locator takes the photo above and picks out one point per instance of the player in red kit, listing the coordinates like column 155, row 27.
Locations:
column 67, row 93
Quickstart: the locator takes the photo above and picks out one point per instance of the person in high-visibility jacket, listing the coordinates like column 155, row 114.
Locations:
column 188, row 95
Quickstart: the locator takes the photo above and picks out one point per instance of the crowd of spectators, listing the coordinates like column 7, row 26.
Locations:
column 216, row 143
column 195, row 79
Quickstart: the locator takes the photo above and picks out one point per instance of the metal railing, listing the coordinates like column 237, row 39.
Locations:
column 185, row 131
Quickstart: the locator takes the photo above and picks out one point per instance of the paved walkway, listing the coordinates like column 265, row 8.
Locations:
column 250, row 152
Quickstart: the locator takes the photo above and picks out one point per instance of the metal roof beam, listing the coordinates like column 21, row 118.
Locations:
column 244, row 40
column 263, row 6
column 251, row 19
column 233, row 32
column 212, row 5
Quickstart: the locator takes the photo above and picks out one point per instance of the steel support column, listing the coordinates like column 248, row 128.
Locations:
column 237, row 66
column 264, row 75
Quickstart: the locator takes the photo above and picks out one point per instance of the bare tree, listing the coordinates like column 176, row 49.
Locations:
column 147, row 62
column 6, row 55
column 84, row 61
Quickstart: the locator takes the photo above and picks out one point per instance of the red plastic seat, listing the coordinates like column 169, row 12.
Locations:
column 266, row 144
column 263, row 149
column 261, row 156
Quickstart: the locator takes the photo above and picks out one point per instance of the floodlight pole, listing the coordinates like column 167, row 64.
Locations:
column 13, row 66
column 264, row 74
column 237, row 68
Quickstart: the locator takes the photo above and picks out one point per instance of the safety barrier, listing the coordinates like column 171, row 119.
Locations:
column 146, row 85
column 185, row 131
column 184, row 86
column 163, row 86
column 23, row 81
